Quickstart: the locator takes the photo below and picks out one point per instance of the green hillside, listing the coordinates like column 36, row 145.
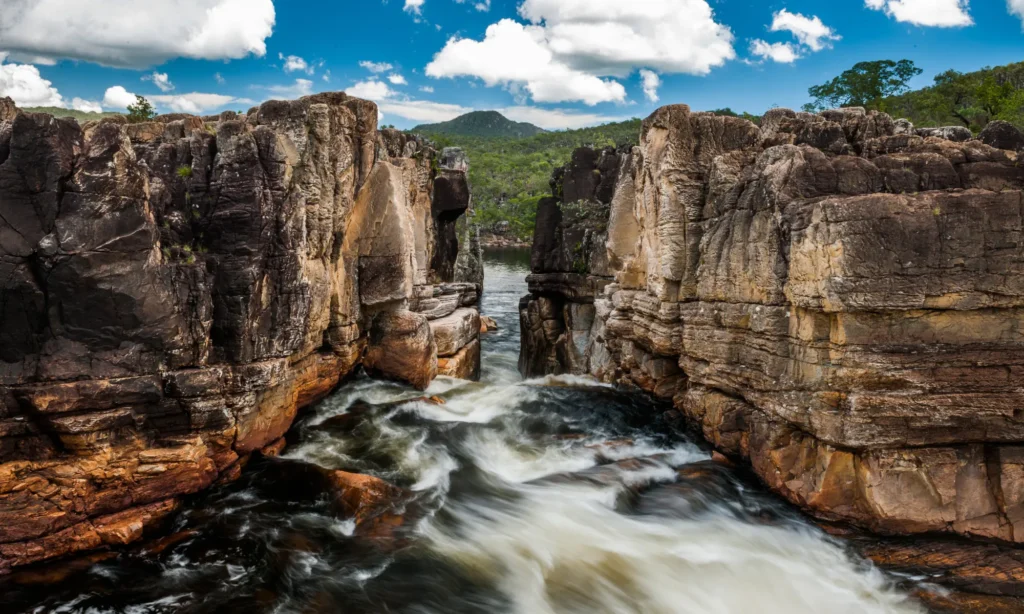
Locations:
column 487, row 124
column 509, row 175
column 81, row 116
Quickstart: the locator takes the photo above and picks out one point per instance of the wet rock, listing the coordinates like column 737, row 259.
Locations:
column 488, row 324
column 945, row 602
column 464, row 364
column 363, row 497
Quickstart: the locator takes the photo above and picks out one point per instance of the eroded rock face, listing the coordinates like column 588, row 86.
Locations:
column 173, row 292
column 832, row 297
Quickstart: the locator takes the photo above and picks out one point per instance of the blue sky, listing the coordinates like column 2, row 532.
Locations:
column 557, row 63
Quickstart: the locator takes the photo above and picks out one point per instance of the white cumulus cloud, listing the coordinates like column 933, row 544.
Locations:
column 783, row 53
column 371, row 89
column 376, row 67
column 87, row 106
column 614, row 37
column 397, row 79
column 556, row 119
column 161, row 80
column 414, row 6
column 118, row 98
column 1016, row 7
column 651, row 82
column 572, row 50
column 28, row 88
column 809, row 31
column 128, row 34
column 294, row 63
column 936, row 13
column 301, row 87
column 422, row 111
column 514, row 54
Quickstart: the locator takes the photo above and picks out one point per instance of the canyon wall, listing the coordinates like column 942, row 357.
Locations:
column 836, row 299
column 173, row 292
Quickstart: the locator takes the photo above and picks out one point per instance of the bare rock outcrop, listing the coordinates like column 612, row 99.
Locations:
column 831, row 297
column 173, row 292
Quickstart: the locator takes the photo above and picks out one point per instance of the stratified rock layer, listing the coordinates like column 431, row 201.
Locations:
column 836, row 303
column 173, row 292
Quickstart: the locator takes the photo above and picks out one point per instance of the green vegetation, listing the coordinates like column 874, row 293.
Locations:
column 81, row 116
column 141, row 111
column 867, row 84
column 487, row 124
column 971, row 100
column 185, row 172
column 509, row 175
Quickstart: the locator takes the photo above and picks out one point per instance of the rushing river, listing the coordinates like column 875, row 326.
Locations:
column 553, row 495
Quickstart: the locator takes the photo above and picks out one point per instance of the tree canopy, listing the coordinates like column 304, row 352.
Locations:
column 867, row 85
column 141, row 111
column 969, row 99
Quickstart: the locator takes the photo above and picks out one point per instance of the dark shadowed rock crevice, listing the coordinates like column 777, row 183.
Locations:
column 173, row 292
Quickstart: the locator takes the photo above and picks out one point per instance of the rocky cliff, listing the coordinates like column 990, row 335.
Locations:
column 173, row 292
column 834, row 298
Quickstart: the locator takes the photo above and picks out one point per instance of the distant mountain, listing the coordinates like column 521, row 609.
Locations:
column 82, row 116
column 487, row 124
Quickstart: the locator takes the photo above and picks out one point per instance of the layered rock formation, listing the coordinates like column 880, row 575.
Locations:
column 173, row 292
column 833, row 298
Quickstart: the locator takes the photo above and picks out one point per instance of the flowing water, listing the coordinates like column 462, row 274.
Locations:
column 551, row 495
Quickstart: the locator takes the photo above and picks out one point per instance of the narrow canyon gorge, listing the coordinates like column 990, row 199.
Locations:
column 243, row 366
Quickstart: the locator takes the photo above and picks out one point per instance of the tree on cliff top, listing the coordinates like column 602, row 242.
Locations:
column 867, row 84
column 141, row 111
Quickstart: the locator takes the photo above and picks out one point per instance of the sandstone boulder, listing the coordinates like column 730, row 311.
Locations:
column 464, row 364
column 401, row 347
column 950, row 133
column 456, row 331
